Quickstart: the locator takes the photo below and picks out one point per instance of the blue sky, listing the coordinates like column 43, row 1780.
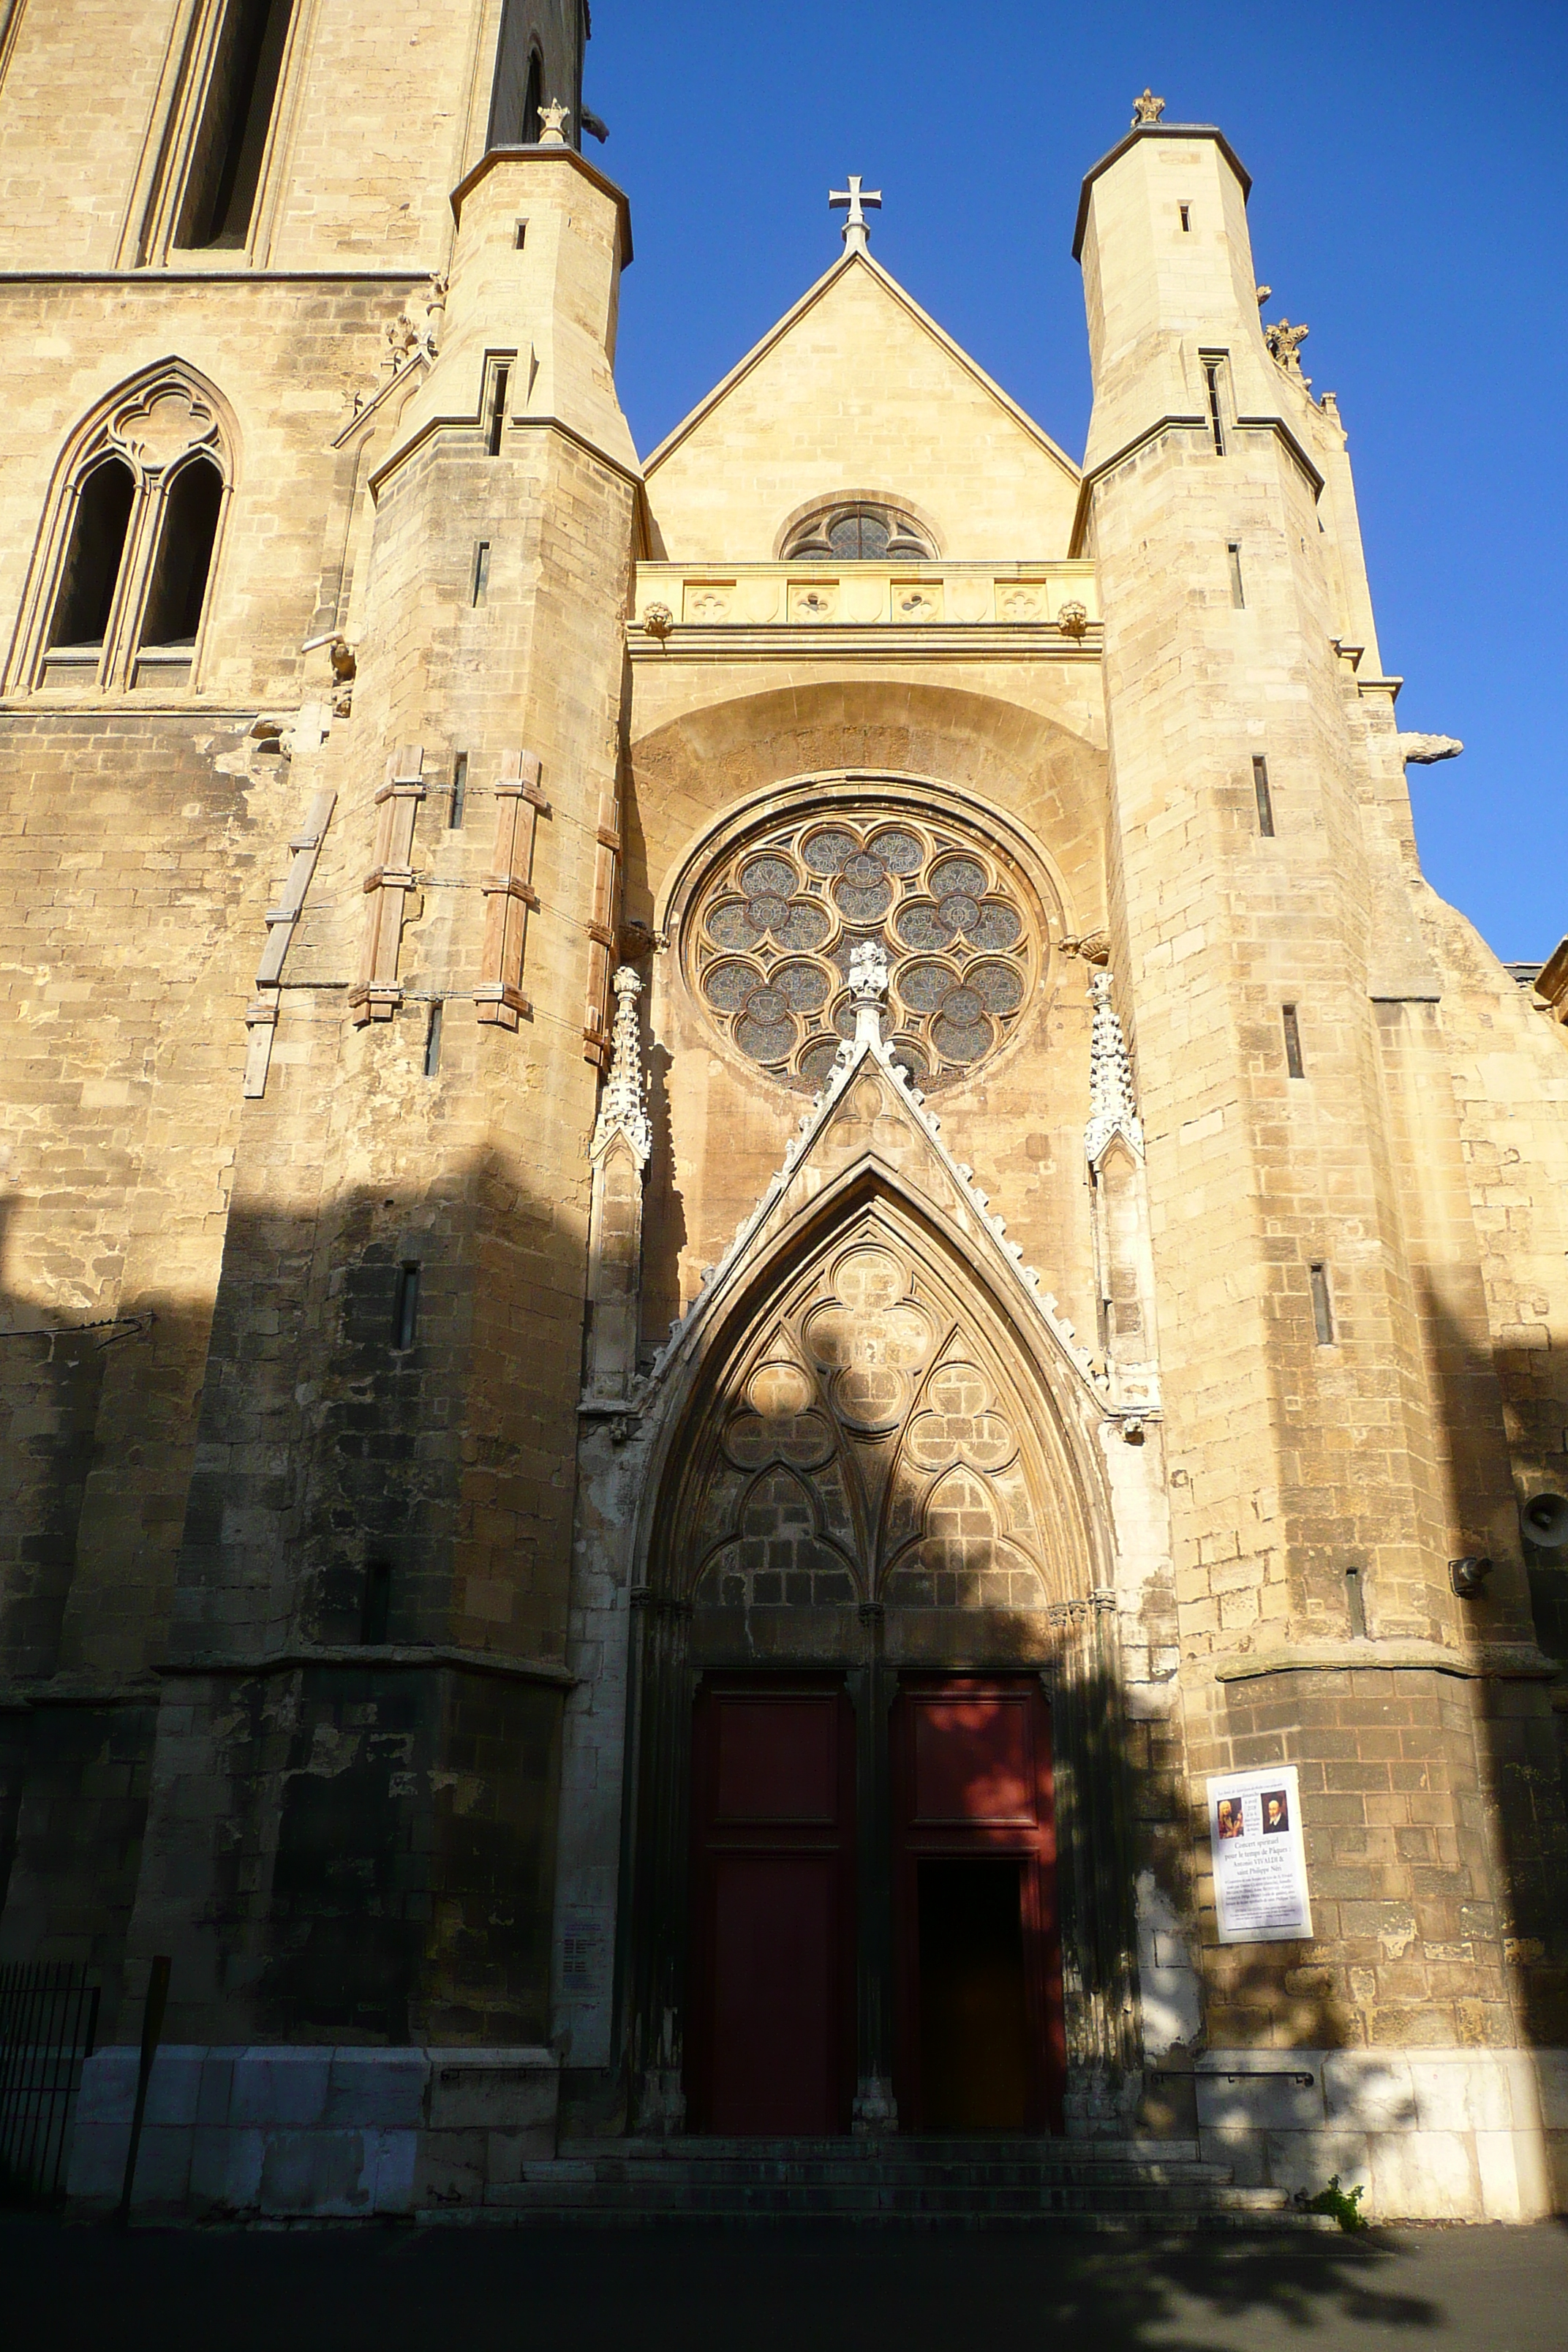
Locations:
column 1410, row 202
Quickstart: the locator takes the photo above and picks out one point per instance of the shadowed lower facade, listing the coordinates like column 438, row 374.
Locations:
column 749, row 1197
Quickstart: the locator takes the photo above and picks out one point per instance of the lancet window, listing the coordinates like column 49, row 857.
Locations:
column 122, row 584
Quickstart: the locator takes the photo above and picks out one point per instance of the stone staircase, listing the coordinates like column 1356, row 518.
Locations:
column 970, row 2183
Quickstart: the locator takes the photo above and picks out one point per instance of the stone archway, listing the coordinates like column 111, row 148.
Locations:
column 871, row 1479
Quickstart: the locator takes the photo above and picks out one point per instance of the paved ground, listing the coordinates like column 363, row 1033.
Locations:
column 691, row 2289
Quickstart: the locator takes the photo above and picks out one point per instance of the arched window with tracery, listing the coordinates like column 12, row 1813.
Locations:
column 120, row 587
column 517, row 92
column 857, row 530
column 770, row 922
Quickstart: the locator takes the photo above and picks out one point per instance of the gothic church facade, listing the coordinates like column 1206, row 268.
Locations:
column 751, row 1204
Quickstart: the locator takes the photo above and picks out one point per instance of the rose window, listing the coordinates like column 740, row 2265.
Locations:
column 773, row 933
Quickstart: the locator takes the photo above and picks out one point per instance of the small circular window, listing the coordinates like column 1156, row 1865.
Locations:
column 772, row 929
column 859, row 534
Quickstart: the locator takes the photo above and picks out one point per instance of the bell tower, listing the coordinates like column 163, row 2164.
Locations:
column 1312, row 1230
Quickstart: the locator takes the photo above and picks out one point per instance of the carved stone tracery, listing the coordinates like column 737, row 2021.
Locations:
column 869, row 1444
column 777, row 925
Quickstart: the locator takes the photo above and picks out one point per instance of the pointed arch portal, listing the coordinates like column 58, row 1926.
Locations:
column 873, row 1592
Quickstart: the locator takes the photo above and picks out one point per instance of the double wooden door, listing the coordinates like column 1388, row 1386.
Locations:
column 977, row 1989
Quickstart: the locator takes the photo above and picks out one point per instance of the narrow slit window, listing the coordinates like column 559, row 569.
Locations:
column 184, row 557
column 1293, row 1062
column 1187, row 213
column 1238, row 595
column 93, row 562
column 522, row 238
column 242, row 92
column 433, row 1041
column 406, row 1307
column 482, row 571
column 1217, row 424
column 1323, row 1309
column 459, row 801
column 1265, row 798
column 1355, row 1603
column 378, row 1608
column 496, row 428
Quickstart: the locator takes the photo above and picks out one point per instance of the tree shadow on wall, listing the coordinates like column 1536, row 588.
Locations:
column 1499, row 1407
column 377, row 1864
column 700, row 2288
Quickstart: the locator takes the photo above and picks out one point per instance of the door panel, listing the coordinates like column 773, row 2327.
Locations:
column 777, row 1760
column 775, row 1988
column 977, row 1958
column 974, row 1761
column 769, row 2038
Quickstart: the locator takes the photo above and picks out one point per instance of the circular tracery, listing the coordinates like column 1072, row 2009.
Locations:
column 774, row 925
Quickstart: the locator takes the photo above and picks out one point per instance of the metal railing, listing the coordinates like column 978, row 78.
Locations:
column 49, row 2016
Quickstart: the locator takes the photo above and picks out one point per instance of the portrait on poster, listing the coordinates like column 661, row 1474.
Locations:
column 1259, row 1859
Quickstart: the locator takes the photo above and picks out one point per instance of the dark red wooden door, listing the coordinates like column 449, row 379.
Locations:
column 770, row 2037
column 977, row 1953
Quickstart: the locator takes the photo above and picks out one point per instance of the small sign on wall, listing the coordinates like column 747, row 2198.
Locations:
column 1259, row 1860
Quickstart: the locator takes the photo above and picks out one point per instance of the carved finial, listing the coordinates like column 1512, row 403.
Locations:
column 1147, row 109
column 1112, row 1102
column 867, row 988
column 1261, row 294
column 553, row 121
column 869, row 972
column 434, row 311
column 1285, row 341
column 853, row 201
column 623, row 1105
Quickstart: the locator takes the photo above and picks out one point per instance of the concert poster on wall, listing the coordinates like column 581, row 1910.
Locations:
column 1259, row 1859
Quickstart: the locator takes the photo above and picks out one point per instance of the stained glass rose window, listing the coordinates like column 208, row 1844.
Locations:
column 773, row 929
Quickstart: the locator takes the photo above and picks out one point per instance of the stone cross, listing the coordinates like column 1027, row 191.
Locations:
column 853, row 201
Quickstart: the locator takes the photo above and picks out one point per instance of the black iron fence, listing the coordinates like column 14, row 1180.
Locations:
column 48, row 2015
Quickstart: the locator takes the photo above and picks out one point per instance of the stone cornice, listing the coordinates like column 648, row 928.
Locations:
column 434, row 425
column 199, row 277
column 875, row 641
column 1155, row 131
column 1490, row 1661
column 380, row 1656
column 1175, row 424
column 562, row 154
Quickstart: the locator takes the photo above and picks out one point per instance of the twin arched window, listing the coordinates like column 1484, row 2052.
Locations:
column 120, row 588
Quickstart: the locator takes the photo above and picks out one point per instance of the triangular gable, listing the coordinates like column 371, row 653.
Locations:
column 858, row 390
column 869, row 1112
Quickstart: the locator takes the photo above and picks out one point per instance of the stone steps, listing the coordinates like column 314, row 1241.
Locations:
column 930, row 2183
